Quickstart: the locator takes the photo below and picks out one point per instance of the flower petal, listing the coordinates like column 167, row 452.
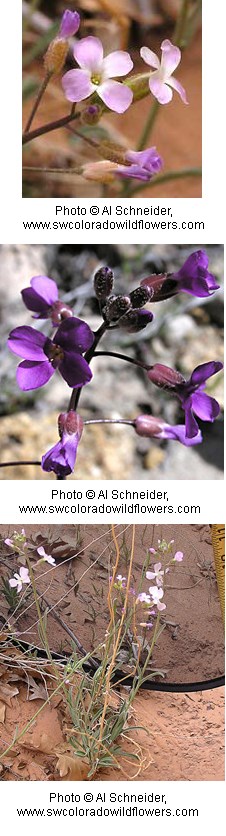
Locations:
column 33, row 375
column 34, row 302
column 46, row 288
column 150, row 57
column 61, row 458
column 171, row 56
column 159, row 89
column 204, row 371
column 178, row 87
column 191, row 425
column 116, row 96
column 116, row 64
column 27, row 343
column 77, row 85
column 69, row 24
column 205, row 407
column 75, row 334
column 178, row 433
column 75, row 370
column 89, row 53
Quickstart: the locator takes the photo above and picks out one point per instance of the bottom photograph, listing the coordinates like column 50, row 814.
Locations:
column 112, row 652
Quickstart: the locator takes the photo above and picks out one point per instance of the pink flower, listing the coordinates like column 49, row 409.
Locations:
column 156, row 595
column 157, row 574
column 178, row 557
column 19, row 580
column 144, row 598
column 46, row 557
column 95, row 74
column 161, row 80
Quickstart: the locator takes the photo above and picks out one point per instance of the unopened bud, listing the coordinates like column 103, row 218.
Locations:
column 103, row 283
column 55, row 56
column 140, row 296
column 101, row 172
column 165, row 377
column 136, row 320
column 70, row 423
column 147, row 425
column 112, row 151
column 162, row 286
column 116, row 307
column 91, row 115
column 60, row 311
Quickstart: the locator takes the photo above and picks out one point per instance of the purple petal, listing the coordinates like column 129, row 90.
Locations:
column 61, row 458
column 33, row 375
column 34, row 302
column 89, row 54
column 161, row 91
column 46, row 288
column 204, row 371
column 134, row 171
column 192, row 428
column 116, row 96
column 69, row 24
column 150, row 57
column 171, row 56
column 74, row 334
column 178, row 87
column 116, row 64
column 77, row 85
column 193, row 276
column 178, row 433
column 205, row 407
column 148, row 159
column 75, row 370
column 28, row 343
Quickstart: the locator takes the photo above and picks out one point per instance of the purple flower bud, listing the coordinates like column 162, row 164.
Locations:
column 140, row 296
column 164, row 377
column 69, row 24
column 91, row 115
column 103, row 283
column 136, row 320
column 116, row 307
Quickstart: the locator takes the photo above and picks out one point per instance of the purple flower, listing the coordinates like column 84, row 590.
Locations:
column 95, row 74
column 193, row 277
column 61, row 458
column 147, row 425
column 161, row 80
column 69, row 24
column 190, row 392
column 42, row 355
column 143, row 164
column 42, row 298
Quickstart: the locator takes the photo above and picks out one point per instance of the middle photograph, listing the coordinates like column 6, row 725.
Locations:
column 112, row 362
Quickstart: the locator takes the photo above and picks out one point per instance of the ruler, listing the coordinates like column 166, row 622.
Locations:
column 218, row 540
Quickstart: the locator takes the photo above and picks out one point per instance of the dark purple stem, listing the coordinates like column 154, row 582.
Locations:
column 50, row 126
column 123, row 357
column 73, row 403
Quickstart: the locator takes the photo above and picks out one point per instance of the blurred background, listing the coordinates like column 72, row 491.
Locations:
column 120, row 24
column 185, row 332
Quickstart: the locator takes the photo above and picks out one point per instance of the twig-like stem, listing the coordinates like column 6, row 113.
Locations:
column 165, row 178
column 39, row 96
column 180, row 27
column 67, row 629
column 73, row 403
column 17, row 464
column 50, row 126
column 148, row 126
column 47, row 170
column 122, row 357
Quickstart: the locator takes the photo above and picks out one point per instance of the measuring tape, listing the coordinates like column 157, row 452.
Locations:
column 218, row 540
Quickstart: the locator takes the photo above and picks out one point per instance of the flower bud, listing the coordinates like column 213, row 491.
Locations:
column 164, row 377
column 162, row 286
column 140, row 296
column 147, row 425
column 103, row 283
column 70, row 423
column 116, row 307
column 136, row 320
column 91, row 115
column 102, row 171
column 55, row 56
column 139, row 85
column 112, row 151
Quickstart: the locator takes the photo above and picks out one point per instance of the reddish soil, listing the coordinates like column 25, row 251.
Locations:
column 184, row 732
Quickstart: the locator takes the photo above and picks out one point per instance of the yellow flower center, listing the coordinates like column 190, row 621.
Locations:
column 96, row 79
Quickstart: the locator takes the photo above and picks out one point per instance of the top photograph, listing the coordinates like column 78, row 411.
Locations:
column 112, row 98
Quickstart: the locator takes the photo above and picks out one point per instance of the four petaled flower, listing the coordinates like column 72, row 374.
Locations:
column 42, row 298
column 156, row 595
column 143, row 165
column 193, row 277
column 147, row 425
column 61, row 458
column 161, row 80
column 42, row 355
column 178, row 557
column 46, row 558
column 194, row 400
column 95, row 75
column 19, row 580
column 157, row 575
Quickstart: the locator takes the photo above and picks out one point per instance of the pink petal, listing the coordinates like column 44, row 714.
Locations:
column 116, row 64
column 116, row 96
column 41, row 551
column 161, row 91
column 171, row 56
column 149, row 57
column 89, row 54
column 160, row 606
column 77, row 85
column 178, row 87
column 13, row 582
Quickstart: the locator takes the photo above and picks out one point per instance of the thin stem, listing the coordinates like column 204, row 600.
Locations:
column 37, row 101
column 50, row 126
column 109, row 421
column 165, row 178
column 67, row 629
column 73, row 403
column 17, row 464
column 148, row 126
column 123, row 357
column 180, row 27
